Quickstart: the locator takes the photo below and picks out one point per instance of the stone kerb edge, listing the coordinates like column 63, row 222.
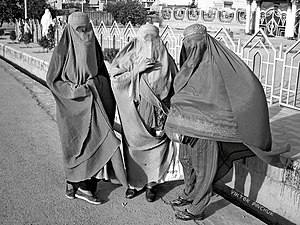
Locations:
column 35, row 66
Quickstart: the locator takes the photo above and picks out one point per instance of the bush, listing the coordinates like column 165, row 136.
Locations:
column 1, row 32
column 110, row 53
column 27, row 38
column 48, row 42
column 43, row 42
column 12, row 35
column 51, row 37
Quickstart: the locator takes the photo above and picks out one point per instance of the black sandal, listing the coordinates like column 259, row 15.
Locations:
column 185, row 215
column 130, row 193
column 151, row 193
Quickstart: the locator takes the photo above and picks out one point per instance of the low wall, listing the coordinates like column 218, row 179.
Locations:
column 269, row 193
column 36, row 67
column 265, row 195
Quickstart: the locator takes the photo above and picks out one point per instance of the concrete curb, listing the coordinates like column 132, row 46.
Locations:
column 34, row 66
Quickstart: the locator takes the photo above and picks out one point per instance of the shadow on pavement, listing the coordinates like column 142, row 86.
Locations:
column 104, row 188
column 166, row 187
column 213, row 207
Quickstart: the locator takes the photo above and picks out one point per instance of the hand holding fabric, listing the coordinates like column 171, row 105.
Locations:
column 69, row 90
column 89, row 82
column 146, row 64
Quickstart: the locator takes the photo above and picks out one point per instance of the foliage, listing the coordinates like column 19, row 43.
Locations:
column 13, row 9
column 10, row 9
column 113, row 8
column 128, row 10
column 43, row 42
column 48, row 42
column 51, row 37
column 35, row 8
column 109, row 54
column 27, row 38
column 12, row 35
column 2, row 32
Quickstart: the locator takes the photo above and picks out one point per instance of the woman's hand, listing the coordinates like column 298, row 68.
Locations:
column 146, row 64
column 90, row 81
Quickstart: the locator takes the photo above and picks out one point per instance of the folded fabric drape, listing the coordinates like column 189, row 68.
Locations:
column 143, row 103
column 78, row 78
column 218, row 97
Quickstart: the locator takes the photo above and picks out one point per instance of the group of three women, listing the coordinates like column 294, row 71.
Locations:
column 214, row 106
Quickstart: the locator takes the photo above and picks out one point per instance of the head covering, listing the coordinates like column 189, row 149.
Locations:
column 147, row 29
column 79, row 19
column 83, row 46
column 46, row 21
column 146, row 44
column 78, row 78
column 194, row 29
column 218, row 97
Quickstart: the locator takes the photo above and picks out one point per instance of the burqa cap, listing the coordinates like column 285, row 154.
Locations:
column 79, row 19
column 148, row 29
column 194, row 29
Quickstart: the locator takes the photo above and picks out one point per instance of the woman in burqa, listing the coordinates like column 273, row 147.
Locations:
column 141, row 76
column 85, row 110
column 220, row 114
column 46, row 21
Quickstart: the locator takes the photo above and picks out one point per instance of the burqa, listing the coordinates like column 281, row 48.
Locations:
column 143, row 99
column 85, row 106
column 220, row 112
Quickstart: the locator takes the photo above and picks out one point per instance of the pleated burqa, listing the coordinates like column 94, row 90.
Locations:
column 217, row 97
column 143, row 101
column 79, row 81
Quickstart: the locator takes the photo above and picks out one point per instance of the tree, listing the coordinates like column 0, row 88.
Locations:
column 12, row 9
column 35, row 8
column 9, row 10
column 128, row 10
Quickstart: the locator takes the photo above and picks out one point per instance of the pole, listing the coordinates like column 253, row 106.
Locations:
column 25, row 6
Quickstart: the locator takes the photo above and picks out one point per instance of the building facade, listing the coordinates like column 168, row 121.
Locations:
column 276, row 17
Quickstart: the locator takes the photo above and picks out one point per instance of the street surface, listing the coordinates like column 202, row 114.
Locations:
column 32, row 183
